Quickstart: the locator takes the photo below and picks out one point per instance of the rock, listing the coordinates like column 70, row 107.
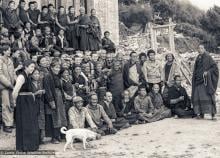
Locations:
column 178, row 132
column 135, row 134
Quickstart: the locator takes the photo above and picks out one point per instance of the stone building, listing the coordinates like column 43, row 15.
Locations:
column 107, row 11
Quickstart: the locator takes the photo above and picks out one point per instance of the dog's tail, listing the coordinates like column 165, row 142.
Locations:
column 63, row 130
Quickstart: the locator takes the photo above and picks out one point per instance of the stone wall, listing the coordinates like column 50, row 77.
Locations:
column 107, row 11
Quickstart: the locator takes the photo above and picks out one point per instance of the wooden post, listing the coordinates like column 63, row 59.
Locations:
column 77, row 6
column 171, row 36
column 153, row 37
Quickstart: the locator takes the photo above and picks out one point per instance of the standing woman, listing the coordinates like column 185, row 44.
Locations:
column 94, row 32
column 72, row 22
column 27, row 131
column 54, row 106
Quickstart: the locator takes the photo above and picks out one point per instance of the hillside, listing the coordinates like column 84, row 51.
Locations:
column 191, row 22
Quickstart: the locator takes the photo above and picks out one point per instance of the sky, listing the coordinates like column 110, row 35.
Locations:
column 205, row 4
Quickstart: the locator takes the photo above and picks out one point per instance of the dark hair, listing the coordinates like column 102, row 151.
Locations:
column 169, row 54
column 21, row 1
column 30, row 3
column 44, row 7
column 55, row 62
column 61, row 30
column 107, row 92
column 92, row 9
column 28, row 62
column 176, row 76
column 150, row 51
column 4, row 48
column 63, row 70
column 11, row 2
column 25, row 23
column 106, row 32
column 61, row 7
column 39, row 59
column 70, row 7
column 17, row 35
column 50, row 5
column 141, row 87
column 142, row 54
column 133, row 52
column 75, row 66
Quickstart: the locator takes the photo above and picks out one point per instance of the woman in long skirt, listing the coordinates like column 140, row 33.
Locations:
column 27, row 131
column 55, row 108
column 37, row 88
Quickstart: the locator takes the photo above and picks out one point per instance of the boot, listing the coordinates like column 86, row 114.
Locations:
column 7, row 129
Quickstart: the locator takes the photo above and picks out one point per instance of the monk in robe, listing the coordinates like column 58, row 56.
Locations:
column 178, row 100
column 118, row 122
column 127, row 109
column 82, row 31
column 157, row 100
column 144, row 107
column 115, row 84
column 94, row 32
column 107, row 43
column 99, row 116
column 33, row 14
column 204, row 84
column 11, row 18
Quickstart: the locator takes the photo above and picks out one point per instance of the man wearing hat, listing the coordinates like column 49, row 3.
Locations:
column 79, row 115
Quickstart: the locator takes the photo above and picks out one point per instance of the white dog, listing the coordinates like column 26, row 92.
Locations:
column 81, row 134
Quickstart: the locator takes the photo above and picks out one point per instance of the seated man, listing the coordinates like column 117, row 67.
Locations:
column 4, row 37
column 178, row 100
column 157, row 100
column 144, row 107
column 127, row 109
column 118, row 122
column 61, row 42
column 79, row 82
column 98, row 113
column 78, row 115
column 47, row 42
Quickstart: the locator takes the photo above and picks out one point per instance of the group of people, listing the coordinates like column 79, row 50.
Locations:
column 100, row 90
column 51, row 30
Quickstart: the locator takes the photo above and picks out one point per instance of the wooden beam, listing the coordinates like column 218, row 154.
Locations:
column 163, row 26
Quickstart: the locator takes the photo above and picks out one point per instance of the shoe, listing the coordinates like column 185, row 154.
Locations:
column 141, row 122
column 7, row 129
column 14, row 126
column 127, row 125
column 55, row 141
column 42, row 141
column 202, row 116
column 59, row 139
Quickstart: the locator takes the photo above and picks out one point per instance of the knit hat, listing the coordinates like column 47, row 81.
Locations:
column 77, row 99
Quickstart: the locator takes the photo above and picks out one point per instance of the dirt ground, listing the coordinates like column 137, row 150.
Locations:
column 169, row 138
